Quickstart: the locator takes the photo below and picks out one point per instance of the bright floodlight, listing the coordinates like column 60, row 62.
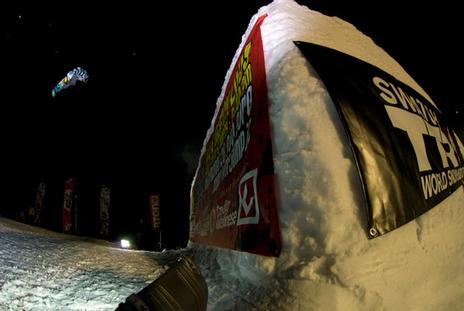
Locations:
column 125, row 243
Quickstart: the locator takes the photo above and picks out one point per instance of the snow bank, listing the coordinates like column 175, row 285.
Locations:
column 327, row 262
column 44, row 270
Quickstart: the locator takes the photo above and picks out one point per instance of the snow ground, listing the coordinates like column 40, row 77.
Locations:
column 44, row 270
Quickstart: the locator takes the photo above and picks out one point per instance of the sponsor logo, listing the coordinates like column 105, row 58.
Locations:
column 248, row 199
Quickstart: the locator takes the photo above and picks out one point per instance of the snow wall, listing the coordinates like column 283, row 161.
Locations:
column 327, row 261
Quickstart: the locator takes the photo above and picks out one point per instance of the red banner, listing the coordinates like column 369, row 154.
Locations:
column 233, row 195
column 67, row 204
column 155, row 210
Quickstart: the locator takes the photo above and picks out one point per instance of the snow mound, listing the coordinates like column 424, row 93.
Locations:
column 327, row 262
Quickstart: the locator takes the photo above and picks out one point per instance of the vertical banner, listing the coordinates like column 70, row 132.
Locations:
column 155, row 211
column 105, row 202
column 69, row 185
column 233, row 195
column 408, row 158
column 39, row 201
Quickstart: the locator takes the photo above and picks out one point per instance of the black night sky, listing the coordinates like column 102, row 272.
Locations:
column 155, row 71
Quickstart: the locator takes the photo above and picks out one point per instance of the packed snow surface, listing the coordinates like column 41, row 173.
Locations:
column 327, row 261
column 44, row 270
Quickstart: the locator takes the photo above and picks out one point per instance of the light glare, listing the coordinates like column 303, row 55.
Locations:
column 125, row 243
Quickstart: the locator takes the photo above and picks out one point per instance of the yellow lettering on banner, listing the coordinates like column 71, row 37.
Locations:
column 228, row 111
column 241, row 80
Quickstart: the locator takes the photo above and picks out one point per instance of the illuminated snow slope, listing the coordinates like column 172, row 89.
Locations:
column 44, row 270
column 327, row 263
